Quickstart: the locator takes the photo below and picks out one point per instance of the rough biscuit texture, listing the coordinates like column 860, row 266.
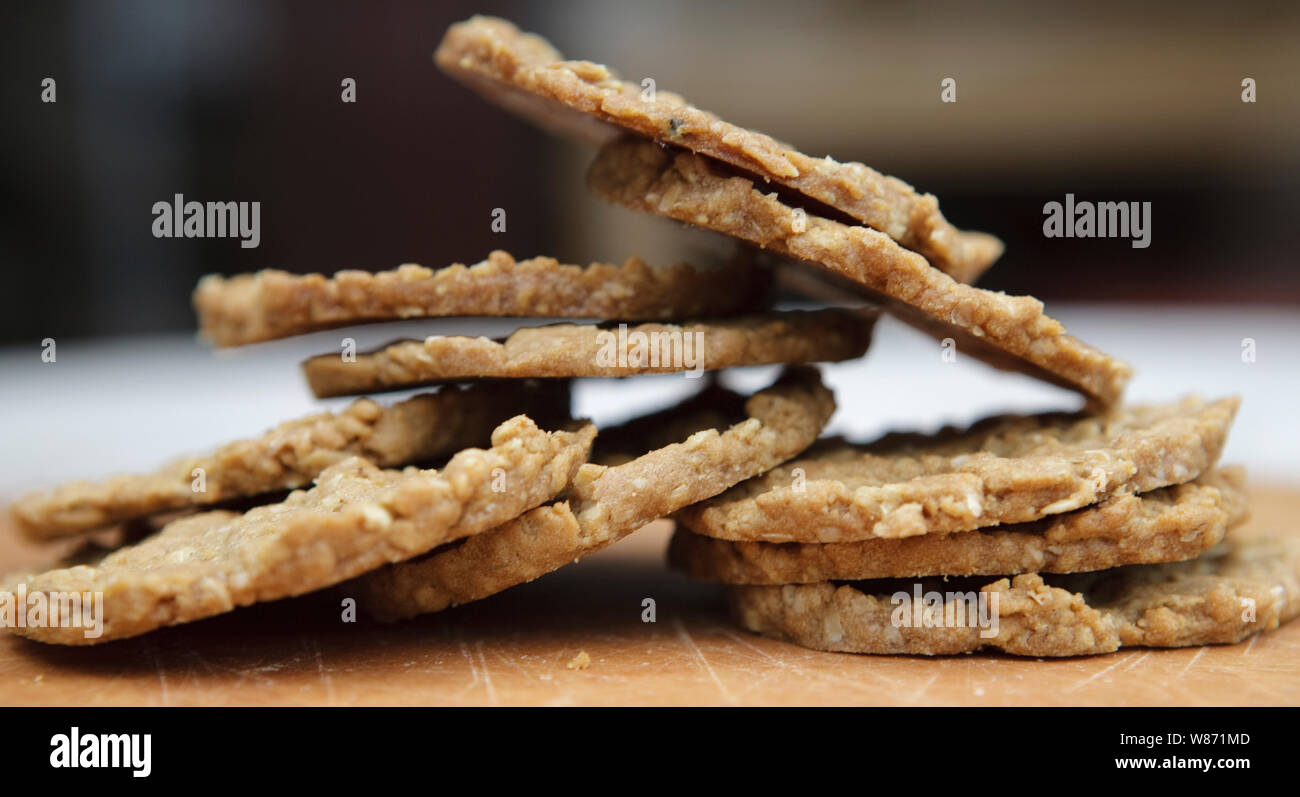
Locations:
column 248, row 308
column 604, row 504
column 1005, row 469
column 570, row 350
column 1167, row 525
column 1222, row 597
column 525, row 74
column 1009, row 332
column 357, row 518
column 294, row 453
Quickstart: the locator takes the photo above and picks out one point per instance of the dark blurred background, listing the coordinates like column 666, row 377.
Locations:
column 240, row 101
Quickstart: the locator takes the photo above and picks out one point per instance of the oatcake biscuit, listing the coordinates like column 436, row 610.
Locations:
column 523, row 73
column 1167, row 525
column 248, row 308
column 357, row 518
column 289, row 456
column 1010, row 332
column 604, row 504
column 1005, row 469
column 1222, row 597
column 570, row 350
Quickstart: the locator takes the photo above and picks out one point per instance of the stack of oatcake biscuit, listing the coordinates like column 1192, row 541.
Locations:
column 1083, row 532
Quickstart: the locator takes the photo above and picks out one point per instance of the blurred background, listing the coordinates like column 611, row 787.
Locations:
column 240, row 101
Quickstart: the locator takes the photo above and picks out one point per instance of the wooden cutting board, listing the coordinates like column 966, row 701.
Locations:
column 515, row 648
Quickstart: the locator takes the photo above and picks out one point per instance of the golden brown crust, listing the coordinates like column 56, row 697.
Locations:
column 525, row 74
column 357, row 518
column 604, row 504
column 1005, row 469
column 1167, row 525
column 1222, row 597
column 292, row 454
column 1009, row 332
column 571, row 350
column 249, row 308
column 1033, row 619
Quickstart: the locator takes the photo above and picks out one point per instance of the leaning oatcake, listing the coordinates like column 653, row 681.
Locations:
column 294, row 453
column 1009, row 332
column 357, row 518
column 525, row 74
column 605, row 504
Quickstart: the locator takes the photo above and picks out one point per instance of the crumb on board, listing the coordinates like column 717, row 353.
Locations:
column 579, row 662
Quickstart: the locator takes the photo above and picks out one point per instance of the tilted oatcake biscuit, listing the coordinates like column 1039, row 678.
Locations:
column 1004, row 469
column 1167, row 525
column 294, row 453
column 357, row 518
column 571, row 350
column 249, row 308
column 604, row 504
column 1222, row 597
column 1009, row 332
column 526, row 75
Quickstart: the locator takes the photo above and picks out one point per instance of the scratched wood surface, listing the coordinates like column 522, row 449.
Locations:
column 515, row 648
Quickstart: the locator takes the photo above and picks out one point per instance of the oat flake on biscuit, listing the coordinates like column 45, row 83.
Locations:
column 1009, row 332
column 605, row 504
column 1171, row 524
column 1005, row 469
column 358, row 517
column 1204, row 601
column 525, row 74
column 573, row 350
column 249, row 308
column 292, row 454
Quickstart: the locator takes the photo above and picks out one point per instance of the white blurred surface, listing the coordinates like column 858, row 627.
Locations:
column 129, row 404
